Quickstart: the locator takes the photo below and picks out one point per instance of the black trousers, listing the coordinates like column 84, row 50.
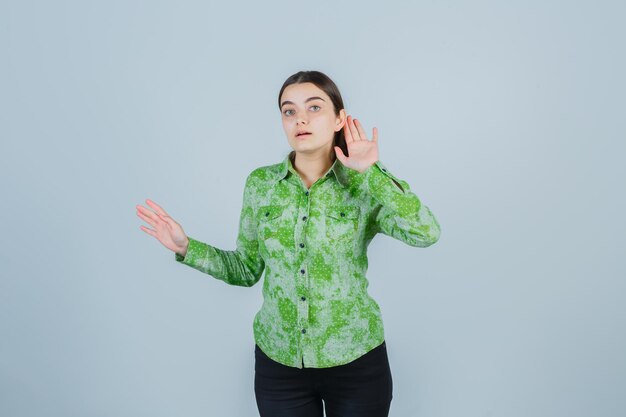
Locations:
column 361, row 388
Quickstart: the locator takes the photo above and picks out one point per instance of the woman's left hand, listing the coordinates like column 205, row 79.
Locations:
column 363, row 152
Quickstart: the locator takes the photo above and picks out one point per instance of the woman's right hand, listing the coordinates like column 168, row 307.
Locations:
column 166, row 229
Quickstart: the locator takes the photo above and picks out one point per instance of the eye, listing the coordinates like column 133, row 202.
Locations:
column 286, row 112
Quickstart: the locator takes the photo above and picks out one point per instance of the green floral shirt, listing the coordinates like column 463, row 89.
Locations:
column 312, row 244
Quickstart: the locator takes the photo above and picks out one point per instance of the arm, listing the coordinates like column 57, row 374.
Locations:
column 242, row 266
column 401, row 214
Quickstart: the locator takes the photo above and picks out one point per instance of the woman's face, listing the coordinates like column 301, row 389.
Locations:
column 306, row 108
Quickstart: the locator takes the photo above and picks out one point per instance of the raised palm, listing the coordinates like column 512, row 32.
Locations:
column 363, row 152
column 166, row 229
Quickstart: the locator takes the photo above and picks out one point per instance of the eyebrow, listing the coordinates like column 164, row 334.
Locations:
column 306, row 101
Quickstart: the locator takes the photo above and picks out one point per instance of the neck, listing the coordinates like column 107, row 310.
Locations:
column 312, row 166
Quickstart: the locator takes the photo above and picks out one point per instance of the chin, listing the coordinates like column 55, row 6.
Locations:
column 307, row 146
column 302, row 146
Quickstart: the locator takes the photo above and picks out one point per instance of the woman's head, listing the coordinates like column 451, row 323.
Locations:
column 310, row 101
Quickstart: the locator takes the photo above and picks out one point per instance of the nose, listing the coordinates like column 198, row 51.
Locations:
column 301, row 120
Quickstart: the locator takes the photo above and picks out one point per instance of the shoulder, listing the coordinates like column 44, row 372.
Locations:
column 264, row 173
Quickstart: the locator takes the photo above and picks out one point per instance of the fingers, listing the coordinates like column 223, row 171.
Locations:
column 149, row 217
column 347, row 132
column 360, row 129
column 156, row 207
column 160, row 212
column 375, row 134
column 153, row 218
column 354, row 133
column 339, row 154
column 148, row 231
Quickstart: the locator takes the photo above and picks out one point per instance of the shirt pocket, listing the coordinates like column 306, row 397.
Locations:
column 342, row 222
column 268, row 220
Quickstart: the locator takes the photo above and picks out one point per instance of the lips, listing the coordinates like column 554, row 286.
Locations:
column 303, row 134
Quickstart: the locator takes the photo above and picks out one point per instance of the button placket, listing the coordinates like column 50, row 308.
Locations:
column 302, row 281
column 303, row 216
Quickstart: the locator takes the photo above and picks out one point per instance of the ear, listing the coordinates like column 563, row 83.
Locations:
column 341, row 120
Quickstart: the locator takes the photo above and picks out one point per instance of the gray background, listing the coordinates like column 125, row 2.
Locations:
column 507, row 120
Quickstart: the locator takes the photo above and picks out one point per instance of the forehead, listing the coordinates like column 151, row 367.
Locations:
column 300, row 92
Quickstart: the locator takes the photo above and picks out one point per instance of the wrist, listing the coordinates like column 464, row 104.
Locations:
column 368, row 167
column 183, row 250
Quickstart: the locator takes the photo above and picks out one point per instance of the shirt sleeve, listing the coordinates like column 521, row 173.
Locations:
column 401, row 214
column 242, row 266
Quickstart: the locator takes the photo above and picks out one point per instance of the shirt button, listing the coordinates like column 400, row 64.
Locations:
column 303, row 298
column 267, row 213
column 342, row 214
column 301, row 245
column 302, row 271
column 307, row 193
column 303, row 330
column 303, row 217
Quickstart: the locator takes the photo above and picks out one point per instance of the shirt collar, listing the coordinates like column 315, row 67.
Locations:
column 337, row 169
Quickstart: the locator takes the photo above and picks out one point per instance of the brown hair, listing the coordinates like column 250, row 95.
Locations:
column 324, row 83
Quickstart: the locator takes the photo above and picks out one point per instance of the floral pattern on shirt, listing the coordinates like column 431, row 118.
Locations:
column 312, row 246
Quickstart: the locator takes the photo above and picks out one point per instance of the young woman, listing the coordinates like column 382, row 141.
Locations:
column 306, row 223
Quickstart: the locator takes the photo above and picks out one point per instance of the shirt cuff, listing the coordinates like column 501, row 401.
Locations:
column 195, row 251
